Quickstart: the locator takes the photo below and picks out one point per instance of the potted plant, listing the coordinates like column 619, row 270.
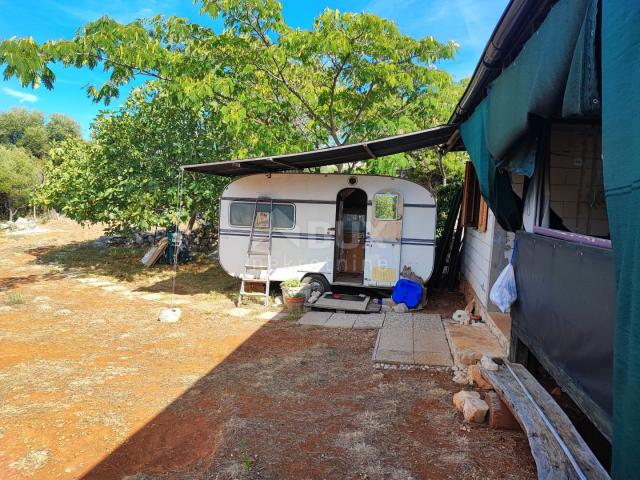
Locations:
column 293, row 293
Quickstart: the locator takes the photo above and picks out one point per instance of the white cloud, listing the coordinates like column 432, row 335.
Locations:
column 22, row 96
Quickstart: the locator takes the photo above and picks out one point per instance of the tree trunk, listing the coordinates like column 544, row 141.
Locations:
column 192, row 221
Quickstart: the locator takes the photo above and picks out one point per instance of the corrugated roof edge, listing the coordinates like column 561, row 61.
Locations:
column 329, row 156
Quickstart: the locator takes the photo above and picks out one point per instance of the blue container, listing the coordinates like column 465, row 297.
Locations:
column 407, row 292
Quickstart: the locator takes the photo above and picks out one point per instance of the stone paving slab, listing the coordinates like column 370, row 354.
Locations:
column 343, row 320
column 340, row 320
column 412, row 339
column 470, row 342
column 315, row 318
column 371, row 320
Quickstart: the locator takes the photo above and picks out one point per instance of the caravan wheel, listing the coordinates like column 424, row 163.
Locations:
column 317, row 283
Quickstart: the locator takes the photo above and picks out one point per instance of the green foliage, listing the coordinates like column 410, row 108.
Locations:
column 28, row 129
column 127, row 177
column 292, row 283
column 60, row 127
column 446, row 195
column 19, row 174
column 258, row 87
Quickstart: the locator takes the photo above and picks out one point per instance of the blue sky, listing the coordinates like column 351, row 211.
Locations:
column 468, row 22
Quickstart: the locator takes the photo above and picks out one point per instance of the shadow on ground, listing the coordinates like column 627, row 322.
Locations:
column 300, row 402
column 201, row 276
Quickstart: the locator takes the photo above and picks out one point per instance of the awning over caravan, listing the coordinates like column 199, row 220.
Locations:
column 329, row 156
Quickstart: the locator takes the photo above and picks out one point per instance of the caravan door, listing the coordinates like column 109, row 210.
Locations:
column 384, row 240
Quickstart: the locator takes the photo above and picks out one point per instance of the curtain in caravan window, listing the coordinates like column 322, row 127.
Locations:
column 621, row 166
column 241, row 214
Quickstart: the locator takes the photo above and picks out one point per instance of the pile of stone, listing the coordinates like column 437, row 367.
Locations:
column 483, row 405
column 20, row 224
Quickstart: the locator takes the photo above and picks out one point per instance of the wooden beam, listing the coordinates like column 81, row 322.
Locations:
column 551, row 460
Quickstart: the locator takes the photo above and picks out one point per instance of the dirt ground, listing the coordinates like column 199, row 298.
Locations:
column 93, row 386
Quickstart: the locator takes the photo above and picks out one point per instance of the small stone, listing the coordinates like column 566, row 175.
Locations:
column 475, row 378
column 488, row 364
column 62, row 312
column 461, row 378
column 169, row 315
column 400, row 308
column 475, row 410
column 460, row 397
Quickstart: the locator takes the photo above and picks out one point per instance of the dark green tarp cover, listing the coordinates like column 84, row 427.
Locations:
column 621, row 164
column 495, row 185
column 553, row 76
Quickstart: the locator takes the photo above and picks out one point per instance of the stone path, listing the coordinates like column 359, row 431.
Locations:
column 412, row 339
column 112, row 287
column 342, row 320
column 403, row 339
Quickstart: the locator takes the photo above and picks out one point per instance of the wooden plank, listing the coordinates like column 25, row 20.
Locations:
column 551, row 461
column 152, row 256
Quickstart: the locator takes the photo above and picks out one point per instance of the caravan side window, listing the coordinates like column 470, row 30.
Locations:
column 241, row 213
column 386, row 206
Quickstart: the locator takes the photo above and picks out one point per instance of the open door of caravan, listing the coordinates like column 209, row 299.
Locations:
column 384, row 240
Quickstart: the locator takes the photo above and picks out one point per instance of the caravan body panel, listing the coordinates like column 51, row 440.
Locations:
column 304, row 218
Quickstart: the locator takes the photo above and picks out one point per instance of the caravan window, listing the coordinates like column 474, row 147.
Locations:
column 386, row 206
column 240, row 214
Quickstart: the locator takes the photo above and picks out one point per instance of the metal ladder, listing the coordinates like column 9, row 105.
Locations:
column 253, row 253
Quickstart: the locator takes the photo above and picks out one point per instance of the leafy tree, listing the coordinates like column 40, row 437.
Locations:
column 19, row 174
column 127, row 177
column 27, row 129
column 60, row 127
column 259, row 87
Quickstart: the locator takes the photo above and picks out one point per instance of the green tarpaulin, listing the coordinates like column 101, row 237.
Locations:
column 495, row 185
column 553, row 76
column 621, row 164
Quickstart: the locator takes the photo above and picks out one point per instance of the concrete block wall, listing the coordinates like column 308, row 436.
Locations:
column 577, row 192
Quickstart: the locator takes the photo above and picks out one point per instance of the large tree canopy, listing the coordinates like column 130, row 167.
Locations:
column 256, row 87
column 126, row 176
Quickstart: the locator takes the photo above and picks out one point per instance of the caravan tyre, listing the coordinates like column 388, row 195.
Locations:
column 317, row 283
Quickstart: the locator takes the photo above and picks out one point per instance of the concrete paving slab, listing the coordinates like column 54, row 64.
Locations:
column 340, row 320
column 315, row 318
column 470, row 342
column 413, row 339
column 394, row 357
column 371, row 320
column 396, row 335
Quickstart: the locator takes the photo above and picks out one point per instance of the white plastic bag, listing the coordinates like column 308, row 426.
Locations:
column 504, row 293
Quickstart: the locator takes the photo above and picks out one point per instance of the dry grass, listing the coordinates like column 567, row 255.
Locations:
column 14, row 298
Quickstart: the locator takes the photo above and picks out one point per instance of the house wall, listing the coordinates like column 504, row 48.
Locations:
column 485, row 254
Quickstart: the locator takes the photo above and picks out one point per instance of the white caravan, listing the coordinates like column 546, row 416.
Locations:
column 327, row 229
